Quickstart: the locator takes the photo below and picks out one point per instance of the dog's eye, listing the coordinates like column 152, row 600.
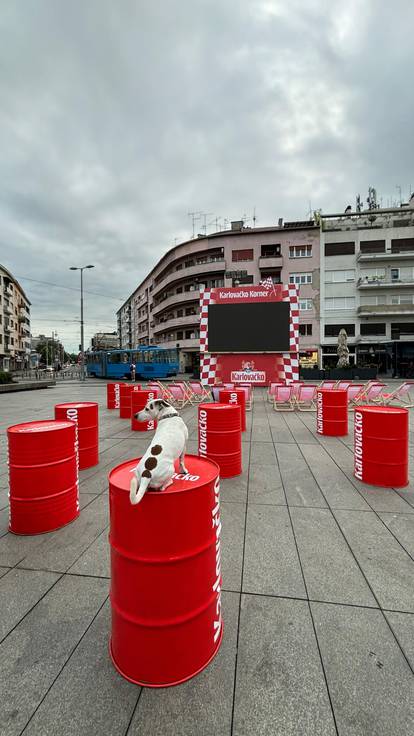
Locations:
column 151, row 406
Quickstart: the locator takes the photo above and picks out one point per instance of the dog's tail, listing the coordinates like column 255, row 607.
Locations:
column 136, row 494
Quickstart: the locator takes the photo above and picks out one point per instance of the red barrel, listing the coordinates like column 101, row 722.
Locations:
column 332, row 412
column 235, row 396
column 43, row 474
column 125, row 390
column 112, row 395
column 165, row 575
column 85, row 415
column 138, row 401
column 219, row 436
column 381, row 445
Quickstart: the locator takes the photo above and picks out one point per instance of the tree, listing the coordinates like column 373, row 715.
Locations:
column 342, row 350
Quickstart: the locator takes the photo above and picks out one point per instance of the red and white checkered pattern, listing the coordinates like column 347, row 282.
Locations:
column 205, row 299
column 208, row 368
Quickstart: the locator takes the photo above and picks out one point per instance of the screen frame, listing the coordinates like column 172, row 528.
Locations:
column 248, row 351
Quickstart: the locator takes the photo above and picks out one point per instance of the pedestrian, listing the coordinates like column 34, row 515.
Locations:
column 132, row 371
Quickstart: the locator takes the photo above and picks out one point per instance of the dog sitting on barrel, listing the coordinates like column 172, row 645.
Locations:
column 156, row 467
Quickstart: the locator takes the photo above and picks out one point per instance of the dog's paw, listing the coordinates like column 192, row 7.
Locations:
column 133, row 487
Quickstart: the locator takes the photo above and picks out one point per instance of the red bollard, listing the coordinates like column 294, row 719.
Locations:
column 219, row 436
column 235, row 396
column 165, row 575
column 85, row 415
column 138, row 401
column 43, row 476
column 381, row 445
column 332, row 412
column 112, row 395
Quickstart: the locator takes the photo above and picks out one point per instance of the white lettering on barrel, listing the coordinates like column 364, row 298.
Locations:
column 116, row 393
column 202, row 433
column 72, row 414
column 150, row 423
column 217, row 624
column 358, row 455
column 76, row 449
column 185, row 476
column 233, row 398
column 319, row 414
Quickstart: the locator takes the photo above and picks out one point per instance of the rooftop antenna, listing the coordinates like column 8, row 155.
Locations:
column 398, row 188
column 194, row 216
column 310, row 211
column 254, row 216
column 225, row 223
column 205, row 215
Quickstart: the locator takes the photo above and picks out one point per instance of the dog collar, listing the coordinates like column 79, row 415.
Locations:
column 168, row 416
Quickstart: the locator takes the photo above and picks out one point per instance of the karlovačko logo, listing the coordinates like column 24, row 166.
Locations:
column 248, row 376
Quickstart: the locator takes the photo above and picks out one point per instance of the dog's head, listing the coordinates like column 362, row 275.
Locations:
column 152, row 410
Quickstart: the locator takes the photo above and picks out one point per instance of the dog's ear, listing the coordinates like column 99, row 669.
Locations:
column 161, row 403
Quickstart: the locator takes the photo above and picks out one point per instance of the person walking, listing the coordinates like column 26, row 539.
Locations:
column 132, row 371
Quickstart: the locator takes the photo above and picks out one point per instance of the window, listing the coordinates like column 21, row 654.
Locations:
column 300, row 278
column 274, row 275
column 190, row 311
column 339, row 277
column 371, row 301
column 305, row 305
column 180, row 335
column 242, row 255
column 340, row 302
column 188, row 334
column 300, row 251
column 333, row 330
column 372, row 274
column 401, row 328
column 178, row 266
column 373, row 328
column 402, row 299
column 305, row 330
column 179, row 290
column 340, row 249
column 395, row 274
column 179, row 312
column 372, row 246
column 270, row 251
column 401, row 245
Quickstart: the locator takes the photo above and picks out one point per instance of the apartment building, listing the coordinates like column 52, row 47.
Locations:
column 367, row 287
column 14, row 323
column 164, row 309
column 105, row 341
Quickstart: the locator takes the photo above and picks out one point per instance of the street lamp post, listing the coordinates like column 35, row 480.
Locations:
column 82, row 367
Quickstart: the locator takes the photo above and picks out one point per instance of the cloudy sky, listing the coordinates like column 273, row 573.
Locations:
column 118, row 117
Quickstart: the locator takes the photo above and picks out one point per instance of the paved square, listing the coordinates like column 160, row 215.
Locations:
column 318, row 577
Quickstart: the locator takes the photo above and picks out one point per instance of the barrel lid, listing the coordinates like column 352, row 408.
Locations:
column 200, row 471
column 45, row 425
column 368, row 409
column 217, row 405
column 76, row 405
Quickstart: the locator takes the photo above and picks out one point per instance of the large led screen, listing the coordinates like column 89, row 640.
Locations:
column 255, row 327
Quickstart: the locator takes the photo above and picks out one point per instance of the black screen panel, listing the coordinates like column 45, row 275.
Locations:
column 250, row 327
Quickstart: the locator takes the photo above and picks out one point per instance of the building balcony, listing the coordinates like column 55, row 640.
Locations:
column 188, row 321
column 384, row 283
column 385, row 256
column 192, row 344
column 385, row 310
column 8, row 289
column 266, row 263
column 7, row 308
column 197, row 271
column 143, row 318
column 184, row 298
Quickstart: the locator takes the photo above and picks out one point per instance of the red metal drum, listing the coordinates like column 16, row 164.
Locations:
column 43, row 475
column 112, row 395
column 165, row 575
column 332, row 412
column 381, row 445
column 125, row 400
column 85, row 415
column 138, row 401
column 219, row 436
column 235, row 396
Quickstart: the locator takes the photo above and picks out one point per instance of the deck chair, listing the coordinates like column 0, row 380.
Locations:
column 356, row 394
column 328, row 384
column 400, row 396
column 295, row 386
column 202, row 393
column 248, row 391
column 188, row 391
column 272, row 389
column 283, row 399
column 373, row 392
column 178, row 396
column 343, row 385
column 305, row 398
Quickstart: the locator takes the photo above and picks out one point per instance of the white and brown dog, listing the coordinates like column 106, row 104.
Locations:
column 156, row 467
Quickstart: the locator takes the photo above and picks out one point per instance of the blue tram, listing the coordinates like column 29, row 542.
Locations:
column 151, row 362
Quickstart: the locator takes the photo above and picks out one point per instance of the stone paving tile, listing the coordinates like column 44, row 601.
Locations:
column 335, row 486
column 233, row 520
column 89, row 697
column 265, row 485
column 263, row 453
column 33, row 655
column 402, row 625
column 3, row 571
column 234, row 490
column 302, row 434
column 201, row 706
column 300, row 486
column 96, row 560
column 368, row 678
column 280, row 686
column 402, row 526
column 271, row 564
column 387, row 567
column 4, row 497
column 20, row 590
column 4, row 521
column 330, row 570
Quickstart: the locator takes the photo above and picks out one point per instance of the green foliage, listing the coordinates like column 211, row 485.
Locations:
column 5, row 377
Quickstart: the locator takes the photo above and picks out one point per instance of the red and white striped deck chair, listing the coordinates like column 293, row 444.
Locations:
column 343, row 385
column 178, row 396
column 283, row 399
column 305, row 399
column 248, row 391
column 228, row 386
column 202, row 393
column 296, row 388
column 356, row 393
column 328, row 384
column 188, row 391
column 155, row 388
column 373, row 393
column 272, row 389
column 400, row 396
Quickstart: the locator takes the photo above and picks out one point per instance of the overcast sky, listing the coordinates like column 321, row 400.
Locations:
column 118, row 117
